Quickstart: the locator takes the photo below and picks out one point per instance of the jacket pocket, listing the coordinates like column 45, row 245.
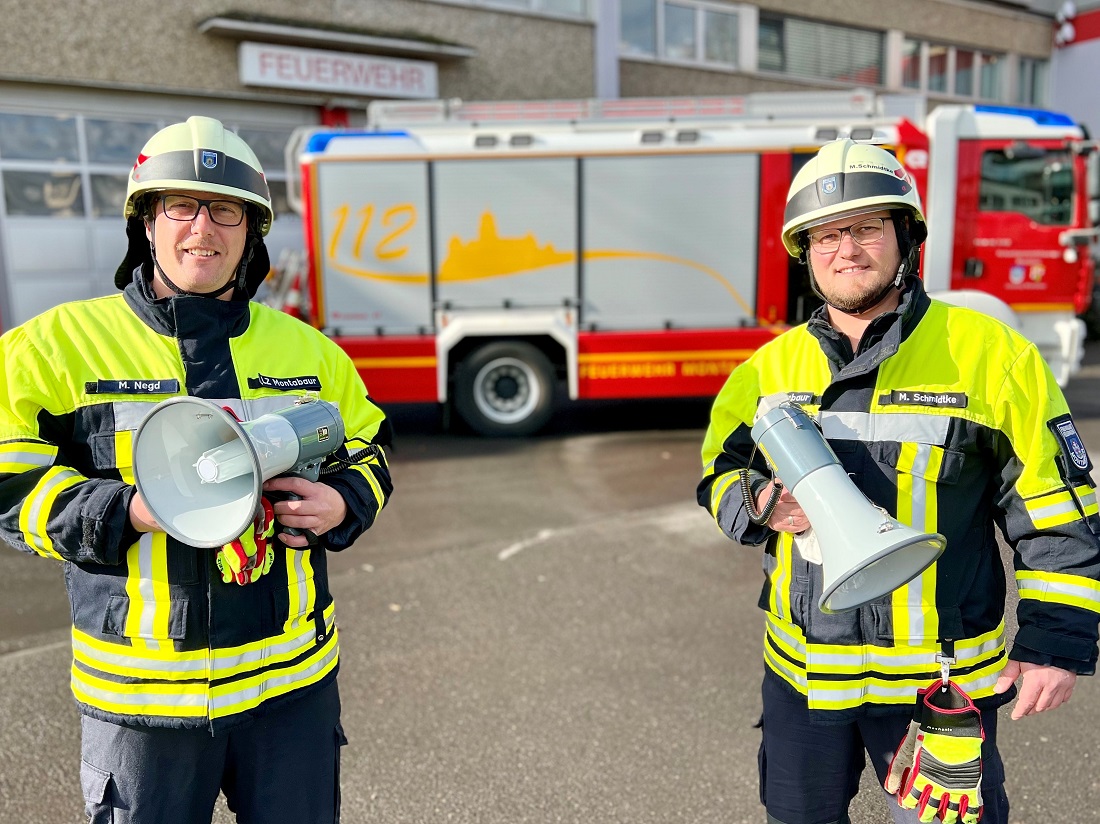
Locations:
column 116, row 619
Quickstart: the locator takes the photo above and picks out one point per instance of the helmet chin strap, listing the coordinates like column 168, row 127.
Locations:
column 232, row 283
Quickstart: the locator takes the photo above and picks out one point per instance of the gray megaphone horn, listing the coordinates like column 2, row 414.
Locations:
column 865, row 553
column 200, row 471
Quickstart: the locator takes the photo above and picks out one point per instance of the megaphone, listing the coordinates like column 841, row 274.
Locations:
column 201, row 471
column 865, row 553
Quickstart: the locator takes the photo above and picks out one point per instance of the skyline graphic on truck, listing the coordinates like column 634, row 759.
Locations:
column 488, row 255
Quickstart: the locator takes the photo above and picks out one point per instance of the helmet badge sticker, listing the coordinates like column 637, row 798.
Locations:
column 828, row 185
column 209, row 159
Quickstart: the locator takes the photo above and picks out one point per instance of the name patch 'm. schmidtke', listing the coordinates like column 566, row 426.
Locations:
column 909, row 397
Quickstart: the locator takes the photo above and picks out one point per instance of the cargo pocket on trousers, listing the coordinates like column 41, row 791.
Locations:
column 340, row 740
column 96, row 786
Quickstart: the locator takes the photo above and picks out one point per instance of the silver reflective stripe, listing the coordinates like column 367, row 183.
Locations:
column 300, row 583
column 917, row 623
column 780, row 633
column 120, row 660
column 288, row 648
column 871, row 427
column 860, row 655
column 140, row 698
column 780, row 665
column 1037, row 586
column 982, row 649
column 130, row 414
column 45, row 493
column 272, row 682
column 29, row 459
column 1041, row 513
column 145, row 586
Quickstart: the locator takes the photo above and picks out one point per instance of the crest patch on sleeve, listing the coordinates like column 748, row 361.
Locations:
column 1075, row 459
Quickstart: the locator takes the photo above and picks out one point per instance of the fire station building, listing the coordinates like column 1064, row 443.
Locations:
column 80, row 93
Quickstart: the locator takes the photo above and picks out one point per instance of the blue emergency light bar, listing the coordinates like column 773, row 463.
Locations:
column 1041, row 116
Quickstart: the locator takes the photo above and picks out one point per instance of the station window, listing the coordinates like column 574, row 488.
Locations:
column 808, row 48
column 75, row 166
column 940, row 68
column 556, row 8
column 680, row 31
column 1031, row 86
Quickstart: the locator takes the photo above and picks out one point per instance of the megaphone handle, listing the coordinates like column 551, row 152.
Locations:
column 310, row 535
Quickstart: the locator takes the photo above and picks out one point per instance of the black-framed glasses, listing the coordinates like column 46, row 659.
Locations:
column 864, row 232
column 185, row 207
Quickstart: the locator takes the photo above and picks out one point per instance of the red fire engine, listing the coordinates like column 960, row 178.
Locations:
column 489, row 254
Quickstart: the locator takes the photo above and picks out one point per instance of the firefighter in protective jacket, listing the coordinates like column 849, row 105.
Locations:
column 196, row 671
column 951, row 422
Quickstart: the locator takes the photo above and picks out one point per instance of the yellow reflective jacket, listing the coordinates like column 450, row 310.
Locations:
column 953, row 423
column 158, row 638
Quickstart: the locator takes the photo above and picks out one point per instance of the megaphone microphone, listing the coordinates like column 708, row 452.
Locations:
column 865, row 552
column 201, row 471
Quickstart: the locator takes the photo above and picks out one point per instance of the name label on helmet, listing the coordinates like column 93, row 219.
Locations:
column 133, row 386
column 308, row 382
column 909, row 397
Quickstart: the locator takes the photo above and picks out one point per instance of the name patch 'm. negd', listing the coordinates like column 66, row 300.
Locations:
column 134, row 386
column 303, row 382
column 910, row 397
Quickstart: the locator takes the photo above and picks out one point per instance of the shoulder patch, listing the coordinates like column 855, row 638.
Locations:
column 1069, row 441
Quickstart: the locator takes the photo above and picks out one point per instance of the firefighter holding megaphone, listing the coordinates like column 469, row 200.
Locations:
column 872, row 451
column 191, row 456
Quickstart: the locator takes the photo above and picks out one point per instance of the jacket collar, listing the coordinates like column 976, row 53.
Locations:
column 185, row 316
column 883, row 336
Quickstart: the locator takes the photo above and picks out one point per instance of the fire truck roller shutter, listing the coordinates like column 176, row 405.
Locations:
column 505, row 388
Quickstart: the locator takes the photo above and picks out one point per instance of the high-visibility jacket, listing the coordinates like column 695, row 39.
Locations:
column 158, row 638
column 953, row 423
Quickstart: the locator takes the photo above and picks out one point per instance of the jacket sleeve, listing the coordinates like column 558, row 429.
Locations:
column 46, row 506
column 727, row 448
column 1049, row 510
column 365, row 484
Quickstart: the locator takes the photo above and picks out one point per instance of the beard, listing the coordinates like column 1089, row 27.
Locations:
column 857, row 302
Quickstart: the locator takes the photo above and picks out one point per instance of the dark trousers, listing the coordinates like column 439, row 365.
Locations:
column 809, row 773
column 279, row 768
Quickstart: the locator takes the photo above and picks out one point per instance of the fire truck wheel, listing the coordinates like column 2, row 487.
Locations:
column 505, row 388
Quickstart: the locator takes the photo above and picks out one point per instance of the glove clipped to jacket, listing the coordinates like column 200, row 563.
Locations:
column 937, row 768
column 250, row 556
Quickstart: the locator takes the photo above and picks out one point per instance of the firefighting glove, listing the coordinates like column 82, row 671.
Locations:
column 902, row 762
column 946, row 774
column 251, row 555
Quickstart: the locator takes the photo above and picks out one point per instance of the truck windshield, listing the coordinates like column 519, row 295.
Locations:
column 1035, row 182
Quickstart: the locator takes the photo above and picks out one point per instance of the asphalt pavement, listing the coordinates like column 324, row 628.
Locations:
column 539, row 630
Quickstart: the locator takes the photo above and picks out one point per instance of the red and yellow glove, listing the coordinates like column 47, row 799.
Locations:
column 250, row 556
column 937, row 769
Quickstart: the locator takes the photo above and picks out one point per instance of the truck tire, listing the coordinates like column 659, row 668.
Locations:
column 505, row 388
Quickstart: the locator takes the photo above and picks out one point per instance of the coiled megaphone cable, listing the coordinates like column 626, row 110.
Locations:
column 356, row 458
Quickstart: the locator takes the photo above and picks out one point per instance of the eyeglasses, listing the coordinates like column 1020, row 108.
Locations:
column 184, row 207
column 864, row 232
